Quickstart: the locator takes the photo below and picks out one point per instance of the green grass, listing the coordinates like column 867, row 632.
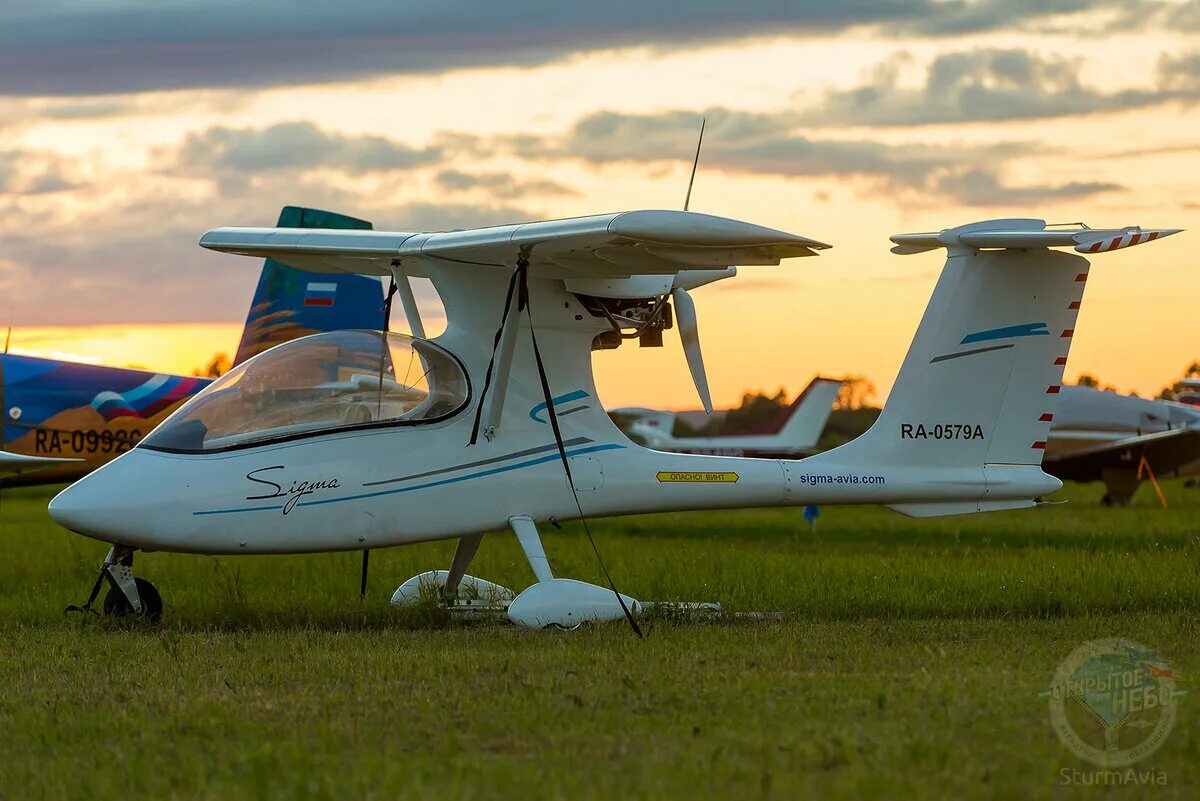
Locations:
column 906, row 663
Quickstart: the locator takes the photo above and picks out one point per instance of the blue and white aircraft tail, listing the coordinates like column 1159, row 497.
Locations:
column 290, row 303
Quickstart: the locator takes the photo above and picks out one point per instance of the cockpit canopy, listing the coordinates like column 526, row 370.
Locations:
column 316, row 384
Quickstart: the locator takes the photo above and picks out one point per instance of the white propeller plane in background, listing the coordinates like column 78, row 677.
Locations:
column 357, row 440
column 1121, row 440
column 794, row 433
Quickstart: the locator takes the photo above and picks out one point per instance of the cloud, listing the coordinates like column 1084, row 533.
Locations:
column 1171, row 16
column 989, row 85
column 297, row 145
column 1181, row 74
column 237, row 159
column 767, row 144
column 125, row 248
column 976, row 187
column 27, row 173
column 87, row 109
column 49, row 181
column 1184, row 17
column 955, row 17
column 499, row 184
column 70, row 48
column 138, row 261
column 6, row 170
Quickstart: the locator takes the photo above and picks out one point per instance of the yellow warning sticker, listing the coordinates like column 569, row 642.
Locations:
column 667, row 477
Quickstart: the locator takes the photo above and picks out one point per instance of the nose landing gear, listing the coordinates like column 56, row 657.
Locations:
column 126, row 594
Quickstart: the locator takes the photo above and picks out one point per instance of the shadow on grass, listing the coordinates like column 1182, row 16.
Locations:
column 432, row 618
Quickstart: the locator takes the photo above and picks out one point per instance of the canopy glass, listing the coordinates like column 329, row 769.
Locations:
column 318, row 384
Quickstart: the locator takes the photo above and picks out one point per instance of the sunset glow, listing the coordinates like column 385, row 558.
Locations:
column 846, row 133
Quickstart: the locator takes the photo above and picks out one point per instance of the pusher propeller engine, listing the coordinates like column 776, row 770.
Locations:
column 645, row 319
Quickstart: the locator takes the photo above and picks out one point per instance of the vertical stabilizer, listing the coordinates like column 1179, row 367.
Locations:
column 979, row 386
column 290, row 303
column 809, row 413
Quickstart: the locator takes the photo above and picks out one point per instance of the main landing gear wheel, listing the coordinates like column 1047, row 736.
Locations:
column 117, row 605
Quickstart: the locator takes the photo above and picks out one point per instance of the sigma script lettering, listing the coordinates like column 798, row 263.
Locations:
column 296, row 490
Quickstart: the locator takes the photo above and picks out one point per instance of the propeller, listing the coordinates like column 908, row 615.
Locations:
column 685, row 308
column 689, row 334
column 685, row 318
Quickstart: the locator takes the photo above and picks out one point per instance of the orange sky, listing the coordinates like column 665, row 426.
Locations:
column 102, row 203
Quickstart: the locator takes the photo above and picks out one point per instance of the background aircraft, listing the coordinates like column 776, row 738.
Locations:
column 1121, row 439
column 65, row 419
column 1191, row 392
column 793, row 433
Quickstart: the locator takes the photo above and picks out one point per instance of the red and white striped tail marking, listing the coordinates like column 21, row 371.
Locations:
column 1126, row 239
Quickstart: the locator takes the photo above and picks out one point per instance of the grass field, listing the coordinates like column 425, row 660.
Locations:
column 907, row 663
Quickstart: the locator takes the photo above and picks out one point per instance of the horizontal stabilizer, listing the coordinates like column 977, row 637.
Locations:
column 1023, row 234
column 957, row 507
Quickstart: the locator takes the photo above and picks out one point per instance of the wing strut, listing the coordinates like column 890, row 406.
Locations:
column 403, row 287
column 506, row 337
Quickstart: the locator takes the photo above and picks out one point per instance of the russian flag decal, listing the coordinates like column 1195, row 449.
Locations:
column 319, row 294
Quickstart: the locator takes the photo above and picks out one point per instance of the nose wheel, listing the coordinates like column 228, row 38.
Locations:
column 117, row 604
column 127, row 595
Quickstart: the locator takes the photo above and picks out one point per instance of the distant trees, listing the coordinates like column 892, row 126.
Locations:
column 756, row 410
column 216, row 368
column 856, row 393
column 1089, row 380
column 853, row 413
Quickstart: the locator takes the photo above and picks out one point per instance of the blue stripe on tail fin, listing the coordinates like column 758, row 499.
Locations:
column 289, row 303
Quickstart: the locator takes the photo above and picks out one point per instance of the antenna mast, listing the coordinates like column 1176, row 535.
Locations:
column 695, row 163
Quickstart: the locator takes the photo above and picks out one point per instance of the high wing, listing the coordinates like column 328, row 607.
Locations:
column 635, row 255
column 600, row 246
column 19, row 462
column 1164, row 451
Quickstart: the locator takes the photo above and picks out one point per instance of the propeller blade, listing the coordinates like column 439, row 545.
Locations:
column 685, row 317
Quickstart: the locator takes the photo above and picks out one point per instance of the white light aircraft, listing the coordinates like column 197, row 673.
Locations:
column 792, row 435
column 1121, row 440
column 359, row 440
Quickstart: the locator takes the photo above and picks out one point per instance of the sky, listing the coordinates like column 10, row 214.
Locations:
column 129, row 127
